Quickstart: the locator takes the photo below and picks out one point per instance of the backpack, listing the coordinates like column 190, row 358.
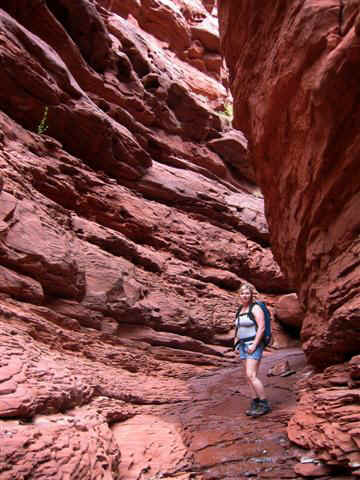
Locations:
column 267, row 320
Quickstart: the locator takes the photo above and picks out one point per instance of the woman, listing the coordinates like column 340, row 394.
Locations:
column 248, row 337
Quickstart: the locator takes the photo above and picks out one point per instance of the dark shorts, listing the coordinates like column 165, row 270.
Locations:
column 242, row 348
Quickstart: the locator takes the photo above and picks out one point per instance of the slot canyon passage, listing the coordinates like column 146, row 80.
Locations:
column 154, row 155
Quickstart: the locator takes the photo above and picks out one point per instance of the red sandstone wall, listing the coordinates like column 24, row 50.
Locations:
column 295, row 81
column 125, row 229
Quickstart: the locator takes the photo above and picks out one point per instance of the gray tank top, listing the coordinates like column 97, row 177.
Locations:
column 245, row 326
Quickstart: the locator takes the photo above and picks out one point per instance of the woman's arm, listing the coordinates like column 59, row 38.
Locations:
column 260, row 322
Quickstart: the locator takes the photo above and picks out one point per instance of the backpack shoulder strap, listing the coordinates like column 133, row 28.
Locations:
column 251, row 308
column 236, row 321
column 255, row 303
column 251, row 315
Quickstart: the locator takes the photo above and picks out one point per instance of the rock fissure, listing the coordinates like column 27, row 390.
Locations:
column 341, row 17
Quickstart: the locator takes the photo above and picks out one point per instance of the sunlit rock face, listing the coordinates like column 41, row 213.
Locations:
column 295, row 79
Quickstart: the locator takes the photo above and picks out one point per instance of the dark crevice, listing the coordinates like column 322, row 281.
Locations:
column 151, row 82
column 349, row 269
column 60, row 13
column 341, row 17
column 137, row 60
column 290, row 330
column 124, row 69
column 139, row 63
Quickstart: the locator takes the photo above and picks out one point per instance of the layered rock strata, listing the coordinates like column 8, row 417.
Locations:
column 295, row 81
column 128, row 218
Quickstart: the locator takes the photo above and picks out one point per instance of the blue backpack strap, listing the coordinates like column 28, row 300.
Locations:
column 267, row 322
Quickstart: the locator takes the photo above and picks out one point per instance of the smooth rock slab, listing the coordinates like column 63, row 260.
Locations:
column 151, row 445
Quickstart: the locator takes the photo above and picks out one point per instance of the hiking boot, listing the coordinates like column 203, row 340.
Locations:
column 253, row 405
column 261, row 409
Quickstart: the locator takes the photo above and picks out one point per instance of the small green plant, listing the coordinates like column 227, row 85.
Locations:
column 229, row 110
column 43, row 126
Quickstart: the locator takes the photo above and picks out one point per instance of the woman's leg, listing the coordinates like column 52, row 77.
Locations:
column 252, row 391
column 255, row 384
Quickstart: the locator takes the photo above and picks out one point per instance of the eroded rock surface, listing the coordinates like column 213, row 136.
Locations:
column 295, row 81
column 327, row 419
column 209, row 435
column 129, row 217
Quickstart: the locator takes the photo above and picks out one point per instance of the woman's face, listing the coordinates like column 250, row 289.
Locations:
column 244, row 295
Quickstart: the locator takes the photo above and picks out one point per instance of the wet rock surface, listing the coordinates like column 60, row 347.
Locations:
column 79, row 402
column 209, row 436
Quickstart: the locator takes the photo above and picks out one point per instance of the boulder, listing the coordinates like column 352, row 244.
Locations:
column 289, row 312
column 232, row 148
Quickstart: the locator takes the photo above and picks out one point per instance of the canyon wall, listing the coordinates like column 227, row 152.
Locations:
column 129, row 217
column 294, row 75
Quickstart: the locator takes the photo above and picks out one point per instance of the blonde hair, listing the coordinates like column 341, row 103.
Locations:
column 249, row 288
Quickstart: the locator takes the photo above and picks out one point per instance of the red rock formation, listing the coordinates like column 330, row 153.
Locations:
column 327, row 418
column 125, row 227
column 289, row 312
column 294, row 78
